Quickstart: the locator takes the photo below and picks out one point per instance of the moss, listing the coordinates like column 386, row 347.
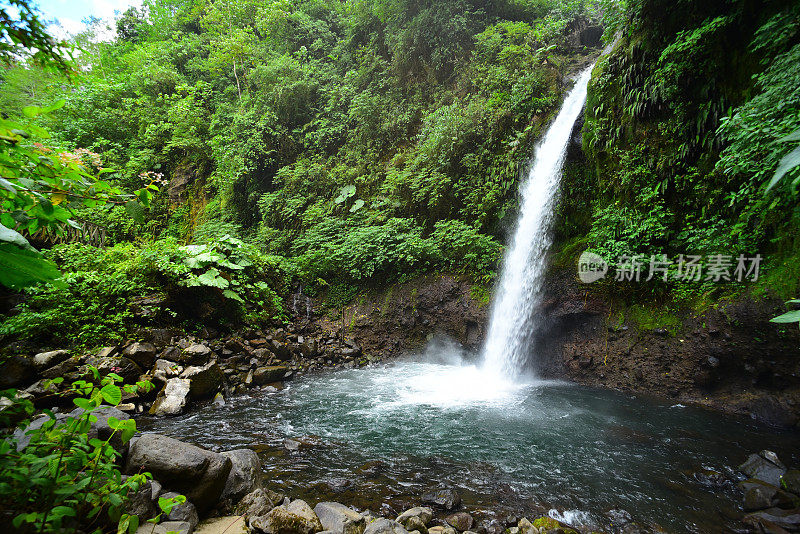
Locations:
column 481, row 294
column 547, row 523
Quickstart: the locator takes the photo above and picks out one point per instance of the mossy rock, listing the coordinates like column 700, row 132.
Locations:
column 546, row 522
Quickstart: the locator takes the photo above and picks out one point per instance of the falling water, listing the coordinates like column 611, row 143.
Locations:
column 519, row 290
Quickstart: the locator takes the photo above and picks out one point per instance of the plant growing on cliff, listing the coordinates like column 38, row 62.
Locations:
column 54, row 477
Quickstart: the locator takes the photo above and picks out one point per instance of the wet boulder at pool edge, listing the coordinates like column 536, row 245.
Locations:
column 197, row 473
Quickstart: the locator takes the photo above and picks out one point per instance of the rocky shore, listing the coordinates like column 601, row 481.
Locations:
column 185, row 369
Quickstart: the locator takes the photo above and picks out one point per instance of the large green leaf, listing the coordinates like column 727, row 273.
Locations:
column 789, row 162
column 20, row 267
column 788, row 317
column 7, row 235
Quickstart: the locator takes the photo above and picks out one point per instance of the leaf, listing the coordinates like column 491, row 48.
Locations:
column 346, row 192
column 32, row 111
column 788, row 162
column 788, row 317
column 233, row 295
column 8, row 235
column 20, row 267
column 135, row 210
column 357, row 205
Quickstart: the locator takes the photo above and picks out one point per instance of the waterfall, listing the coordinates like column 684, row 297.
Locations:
column 519, row 290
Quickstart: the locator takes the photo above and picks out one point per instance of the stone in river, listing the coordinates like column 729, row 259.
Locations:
column 423, row 512
column 446, row 498
column 764, row 466
column 339, row 519
column 385, row 526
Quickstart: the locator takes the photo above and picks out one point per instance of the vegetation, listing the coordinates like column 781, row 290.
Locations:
column 691, row 133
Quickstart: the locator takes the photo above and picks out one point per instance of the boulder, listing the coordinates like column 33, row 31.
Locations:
column 230, row 524
column 423, row 512
column 758, row 495
column 144, row 354
column 415, row 524
column 197, row 473
column 785, row 519
column 764, row 466
column 67, row 369
column 446, row 498
column 385, row 526
column 790, row 481
column 121, row 365
column 280, row 350
column 173, row 397
column 460, row 521
column 166, row 369
column 100, row 429
column 296, row 517
column 144, row 502
column 196, row 354
column 168, row 527
column 182, row 512
column 16, row 371
column 258, row 503
column 270, row 373
column 245, row 474
column 206, row 380
column 43, row 360
column 339, row 519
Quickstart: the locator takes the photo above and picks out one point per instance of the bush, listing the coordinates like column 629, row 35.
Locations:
column 61, row 480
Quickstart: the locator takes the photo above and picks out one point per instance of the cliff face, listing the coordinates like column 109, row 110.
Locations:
column 648, row 173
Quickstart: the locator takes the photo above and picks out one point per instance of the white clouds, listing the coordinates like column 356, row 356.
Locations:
column 106, row 10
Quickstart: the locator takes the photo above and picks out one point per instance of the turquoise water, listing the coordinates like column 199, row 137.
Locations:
column 380, row 436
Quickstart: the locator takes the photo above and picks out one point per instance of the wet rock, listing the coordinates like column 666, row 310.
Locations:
column 197, row 473
column 710, row 478
column 173, row 398
column 144, row 354
column 168, row 527
column 790, row 481
column 144, row 502
column 165, row 369
column 67, row 369
column 385, row 526
column 16, row 371
column 491, row 526
column 415, row 524
column 229, row 524
column 206, row 380
column 758, row 495
column 460, row 521
column 296, row 517
column 446, row 498
column 124, row 367
column 196, row 354
column 271, row 373
column 424, row 513
column 764, row 466
column 785, row 519
column 257, row 503
column 339, row 519
column 182, row 512
column 219, row 400
column 43, row 360
column 245, row 475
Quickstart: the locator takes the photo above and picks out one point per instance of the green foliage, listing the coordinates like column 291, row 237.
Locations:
column 95, row 300
column 55, row 477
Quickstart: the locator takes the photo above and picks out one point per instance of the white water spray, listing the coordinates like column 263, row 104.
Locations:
column 519, row 291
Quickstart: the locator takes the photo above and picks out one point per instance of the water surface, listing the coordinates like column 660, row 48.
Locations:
column 376, row 438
